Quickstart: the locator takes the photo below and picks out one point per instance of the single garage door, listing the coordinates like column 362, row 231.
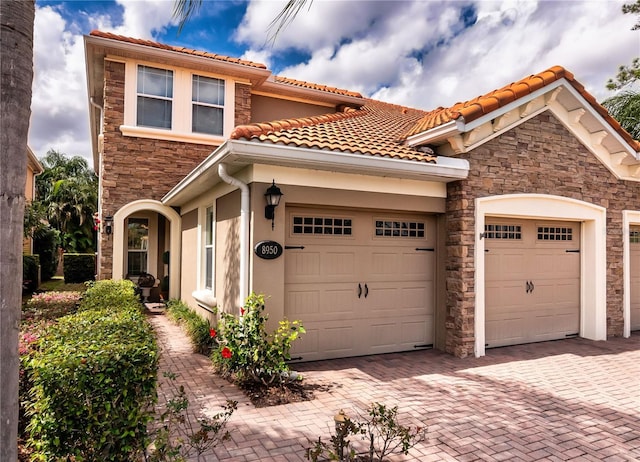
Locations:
column 634, row 244
column 532, row 274
column 361, row 282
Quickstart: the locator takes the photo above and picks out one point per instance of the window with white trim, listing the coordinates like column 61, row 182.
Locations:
column 154, row 97
column 137, row 246
column 208, row 249
column 207, row 108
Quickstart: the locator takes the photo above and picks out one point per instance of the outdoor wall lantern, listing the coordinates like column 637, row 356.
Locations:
column 108, row 224
column 272, row 196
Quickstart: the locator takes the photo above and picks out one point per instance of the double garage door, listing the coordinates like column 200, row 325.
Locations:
column 361, row 282
column 532, row 274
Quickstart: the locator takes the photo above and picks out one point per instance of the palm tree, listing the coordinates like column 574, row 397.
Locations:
column 185, row 9
column 68, row 190
column 16, row 64
column 625, row 108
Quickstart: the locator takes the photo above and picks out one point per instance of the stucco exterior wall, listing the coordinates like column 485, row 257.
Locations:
column 539, row 156
column 227, row 251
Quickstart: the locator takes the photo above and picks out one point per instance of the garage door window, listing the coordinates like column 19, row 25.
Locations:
column 322, row 225
column 550, row 233
column 392, row 228
column 634, row 237
column 508, row 232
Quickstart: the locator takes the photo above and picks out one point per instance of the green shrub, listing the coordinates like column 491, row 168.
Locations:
column 246, row 351
column 79, row 267
column 30, row 273
column 94, row 380
column 197, row 328
column 46, row 246
column 110, row 295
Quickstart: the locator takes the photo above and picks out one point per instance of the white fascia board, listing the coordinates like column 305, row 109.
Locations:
column 237, row 152
column 605, row 125
column 441, row 132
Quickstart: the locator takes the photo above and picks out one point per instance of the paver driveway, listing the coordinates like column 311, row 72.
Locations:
column 566, row 400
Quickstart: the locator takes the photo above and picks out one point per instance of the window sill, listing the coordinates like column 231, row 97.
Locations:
column 160, row 134
column 205, row 299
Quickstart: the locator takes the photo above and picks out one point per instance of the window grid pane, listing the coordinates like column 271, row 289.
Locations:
column 509, row 232
column 327, row 226
column 406, row 229
column 634, row 237
column 552, row 233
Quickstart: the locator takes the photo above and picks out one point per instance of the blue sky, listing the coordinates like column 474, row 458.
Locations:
column 419, row 53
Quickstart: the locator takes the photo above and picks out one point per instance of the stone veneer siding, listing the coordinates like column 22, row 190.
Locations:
column 141, row 168
column 539, row 156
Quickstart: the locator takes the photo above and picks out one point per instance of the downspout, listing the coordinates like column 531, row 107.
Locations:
column 100, row 148
column 244, row 231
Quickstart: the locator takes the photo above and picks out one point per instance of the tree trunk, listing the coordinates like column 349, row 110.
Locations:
column 16, row 63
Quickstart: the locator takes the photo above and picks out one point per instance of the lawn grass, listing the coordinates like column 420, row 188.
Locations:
column 57, row 283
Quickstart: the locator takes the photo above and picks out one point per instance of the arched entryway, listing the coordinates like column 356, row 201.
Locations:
column 146, row 214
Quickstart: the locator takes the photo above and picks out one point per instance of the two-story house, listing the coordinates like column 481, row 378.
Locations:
column 34, row 168
column 507, row 219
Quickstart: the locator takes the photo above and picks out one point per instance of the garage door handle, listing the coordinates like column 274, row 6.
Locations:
column 366, row 291
column 359, row 290
column 528, row 286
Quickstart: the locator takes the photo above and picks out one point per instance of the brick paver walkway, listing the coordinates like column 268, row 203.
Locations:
column 555, row 401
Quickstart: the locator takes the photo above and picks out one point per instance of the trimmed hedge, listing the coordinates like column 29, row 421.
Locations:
column 30, row 273
column 79, row 267
column 46, row 246
column 94, row 380
column 197, row 328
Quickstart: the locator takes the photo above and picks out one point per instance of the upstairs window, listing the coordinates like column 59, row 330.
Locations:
column 207, row 109
column 155, row 97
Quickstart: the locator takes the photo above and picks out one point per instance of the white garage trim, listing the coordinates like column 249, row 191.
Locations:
column 629, row 217
column 593, row 256
column 119, row 236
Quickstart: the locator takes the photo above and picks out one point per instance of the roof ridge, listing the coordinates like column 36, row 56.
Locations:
column 484, row 104
column 177, row 49
column 249, row 131
column 315, row 86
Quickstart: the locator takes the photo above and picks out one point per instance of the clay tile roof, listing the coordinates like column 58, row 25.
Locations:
column 314, row 86
column 376, row 129
column 161, row 46
column 477, row 107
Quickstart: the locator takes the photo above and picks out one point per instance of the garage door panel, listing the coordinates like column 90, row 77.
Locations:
column 532, row 289
column 395, row 309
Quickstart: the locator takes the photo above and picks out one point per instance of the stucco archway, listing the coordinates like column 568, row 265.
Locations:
column 174, row 246
column 593, row 268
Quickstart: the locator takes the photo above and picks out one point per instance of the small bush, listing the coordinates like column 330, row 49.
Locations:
column 30, row 273
column 197, row 328
column 93, row 380
column 245, row 349
column 46, row 246
column 380, row 431
column 110, row 295
column 79, row 267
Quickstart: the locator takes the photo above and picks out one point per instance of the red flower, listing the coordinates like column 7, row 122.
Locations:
column 212, row 333
column 227, row 353
column 95, row 228
column 241, row 311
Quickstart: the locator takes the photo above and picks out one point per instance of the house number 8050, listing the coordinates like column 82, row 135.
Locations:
column 268, row 250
